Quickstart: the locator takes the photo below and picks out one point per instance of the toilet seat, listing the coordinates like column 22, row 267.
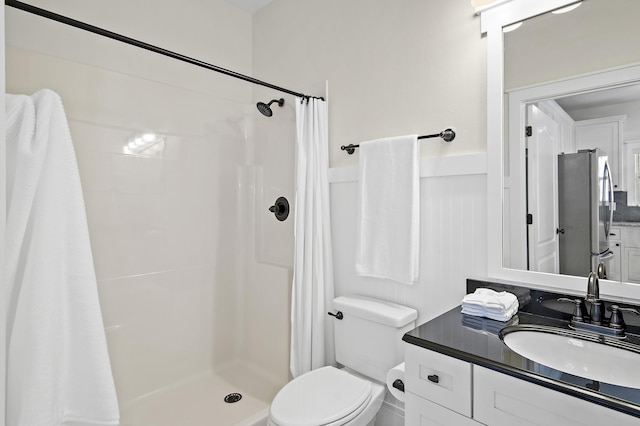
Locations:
column 326, row 396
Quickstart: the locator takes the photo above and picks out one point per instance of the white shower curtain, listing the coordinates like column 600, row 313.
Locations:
column 313, row 266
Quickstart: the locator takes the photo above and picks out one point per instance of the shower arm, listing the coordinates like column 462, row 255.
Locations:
column 133, row 42
column 447, row 135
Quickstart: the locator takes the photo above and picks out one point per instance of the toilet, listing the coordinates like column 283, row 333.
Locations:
column 368, row 343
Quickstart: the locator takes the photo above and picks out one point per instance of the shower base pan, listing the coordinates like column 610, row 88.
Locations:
column 201, row 401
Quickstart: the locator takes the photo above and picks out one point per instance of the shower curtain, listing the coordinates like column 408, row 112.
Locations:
column 313, row 266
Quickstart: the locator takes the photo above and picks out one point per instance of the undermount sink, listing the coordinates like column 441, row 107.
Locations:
column 592, row 356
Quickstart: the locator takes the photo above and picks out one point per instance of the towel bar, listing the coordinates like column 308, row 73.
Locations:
column 447, row 135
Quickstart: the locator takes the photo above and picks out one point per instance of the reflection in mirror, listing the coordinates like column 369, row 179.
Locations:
column 633, row 173
column 572, row 155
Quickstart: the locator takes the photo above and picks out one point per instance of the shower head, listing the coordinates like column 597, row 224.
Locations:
column 265, row 109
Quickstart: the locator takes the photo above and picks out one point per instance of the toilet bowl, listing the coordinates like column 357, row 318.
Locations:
column 327, row 396
column 368, row 343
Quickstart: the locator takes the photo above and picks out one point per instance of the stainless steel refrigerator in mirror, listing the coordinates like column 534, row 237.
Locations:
column 585, row 207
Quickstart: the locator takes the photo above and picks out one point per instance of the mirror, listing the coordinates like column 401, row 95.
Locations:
column 571, row 75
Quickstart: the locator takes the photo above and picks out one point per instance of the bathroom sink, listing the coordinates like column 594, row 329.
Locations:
column 588, row 355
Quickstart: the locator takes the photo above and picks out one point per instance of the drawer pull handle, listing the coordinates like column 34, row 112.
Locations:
column 433, row 378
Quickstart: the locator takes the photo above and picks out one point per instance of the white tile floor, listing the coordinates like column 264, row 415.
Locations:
column 200, row 401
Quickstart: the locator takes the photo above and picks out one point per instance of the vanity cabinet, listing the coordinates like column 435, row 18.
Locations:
column 470, row 395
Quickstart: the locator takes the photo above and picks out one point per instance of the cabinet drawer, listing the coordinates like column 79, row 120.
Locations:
column 615, row 233
column 420, row 412
column 438, row 378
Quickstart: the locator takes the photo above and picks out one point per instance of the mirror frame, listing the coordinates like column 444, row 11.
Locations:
column 492, row 19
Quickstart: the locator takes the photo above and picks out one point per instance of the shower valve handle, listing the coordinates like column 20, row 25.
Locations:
column 280, row 209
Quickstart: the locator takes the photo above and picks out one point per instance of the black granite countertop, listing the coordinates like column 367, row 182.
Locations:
column 476, row 340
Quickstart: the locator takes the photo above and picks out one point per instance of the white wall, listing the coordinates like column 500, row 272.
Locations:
column 555, row 46
column 3, row 221
column 452, row 235
column 170, row 231
column 393, row 67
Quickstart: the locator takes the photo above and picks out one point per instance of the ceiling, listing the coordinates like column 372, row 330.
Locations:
column 251, row 6
column 601, row 98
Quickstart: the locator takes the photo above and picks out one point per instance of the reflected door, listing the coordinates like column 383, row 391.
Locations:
column 542, row 191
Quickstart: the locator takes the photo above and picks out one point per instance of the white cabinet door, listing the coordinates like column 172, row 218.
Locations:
column 420, row 412
column 501, row 400
column 631, row 263
column 630, row 256
column 603, row 133
column 614, row 266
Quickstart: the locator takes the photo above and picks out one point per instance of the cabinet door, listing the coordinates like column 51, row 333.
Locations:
column 420, row 412
column 614, row 267
column 603, row 133
column 632, row 264
column 501, row 400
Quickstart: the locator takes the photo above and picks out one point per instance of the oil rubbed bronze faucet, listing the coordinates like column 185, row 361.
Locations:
column 595, row 320
column 593, row 297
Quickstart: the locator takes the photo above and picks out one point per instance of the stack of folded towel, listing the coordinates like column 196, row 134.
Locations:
column 486, row 325
column 523, row 294
column 484, row 302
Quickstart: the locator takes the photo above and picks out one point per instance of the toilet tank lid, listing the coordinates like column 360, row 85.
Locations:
column 376, row 310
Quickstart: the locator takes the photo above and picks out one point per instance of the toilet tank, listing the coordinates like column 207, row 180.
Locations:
column 368, row 339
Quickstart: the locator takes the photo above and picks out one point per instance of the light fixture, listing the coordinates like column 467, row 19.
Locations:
column 478, row 3
column 567, row 8
column 511, row 27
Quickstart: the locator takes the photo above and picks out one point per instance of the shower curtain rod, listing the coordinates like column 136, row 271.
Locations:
column 124, row 39
column 447, row 135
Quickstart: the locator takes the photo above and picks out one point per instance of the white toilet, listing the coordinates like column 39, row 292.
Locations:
column 368, row 342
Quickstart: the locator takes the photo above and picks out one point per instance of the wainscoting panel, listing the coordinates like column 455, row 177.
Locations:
column 452, row 245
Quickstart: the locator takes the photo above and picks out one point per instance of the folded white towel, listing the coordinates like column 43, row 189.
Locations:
column 500, row 306
column 389, row 227
column 58, row 370
column 494, row 315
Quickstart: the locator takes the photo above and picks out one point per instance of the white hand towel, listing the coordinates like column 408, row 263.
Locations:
column 58, row 370
column 488, row 303
column 389, row 227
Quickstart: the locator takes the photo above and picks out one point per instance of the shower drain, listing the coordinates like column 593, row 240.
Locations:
column 233, row 397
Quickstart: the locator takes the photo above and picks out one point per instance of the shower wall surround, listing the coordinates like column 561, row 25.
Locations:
column 172, row 217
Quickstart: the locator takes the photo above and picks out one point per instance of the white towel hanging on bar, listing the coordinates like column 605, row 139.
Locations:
column 389, row 228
